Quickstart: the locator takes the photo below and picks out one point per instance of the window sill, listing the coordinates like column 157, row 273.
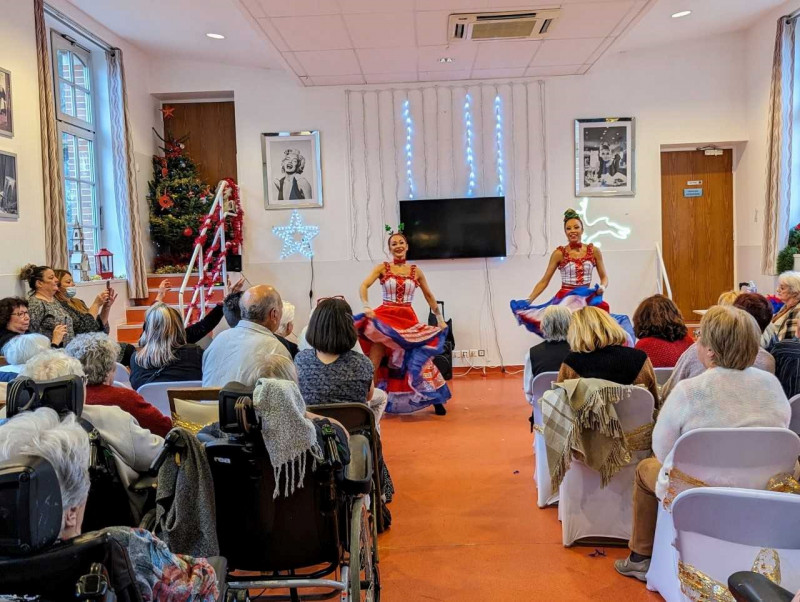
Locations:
column 101, row 282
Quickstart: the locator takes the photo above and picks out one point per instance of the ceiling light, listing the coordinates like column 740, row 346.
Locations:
column 683, row 13
column 446, row 59
column 215, row 36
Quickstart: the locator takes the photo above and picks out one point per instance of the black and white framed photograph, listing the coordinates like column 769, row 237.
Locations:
column 604, row 157
column 292, row 170
column 6, row 115
column 9, row 208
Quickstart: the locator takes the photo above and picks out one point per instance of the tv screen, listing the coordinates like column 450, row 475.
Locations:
column 455, row 228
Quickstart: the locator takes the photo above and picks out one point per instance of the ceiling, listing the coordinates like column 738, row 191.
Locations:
column 335, row 42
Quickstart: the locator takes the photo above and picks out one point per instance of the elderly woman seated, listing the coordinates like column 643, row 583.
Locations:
column 785, row 321
column 15, row 319
column 22, row 348
column 598, row 351
column 661, row 331
column 161, row 575
column 97, row 354
column 548, row 355
column 730, row 393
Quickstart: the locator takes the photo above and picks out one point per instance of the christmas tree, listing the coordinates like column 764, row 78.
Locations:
column 179, row 200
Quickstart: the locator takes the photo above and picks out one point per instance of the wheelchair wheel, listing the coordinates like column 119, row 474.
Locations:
column 364, row 576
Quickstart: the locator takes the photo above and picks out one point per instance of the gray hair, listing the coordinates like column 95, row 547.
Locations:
column 257, row 307
column 51, row 364
column 268, row 365
column 792, row 282
column 97, row 354
column 63, row 443
column 287, row 318
column 555, row 323
column 24, row 346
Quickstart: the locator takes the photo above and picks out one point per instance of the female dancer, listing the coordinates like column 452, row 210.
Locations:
column 393, row 331
column 575, row 261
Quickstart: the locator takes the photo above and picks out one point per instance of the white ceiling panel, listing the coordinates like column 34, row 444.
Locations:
column 299, row 8
column 387, row 60
column 255, row 8
column 329, row 62
column 435, row 76
column 496, row 73
column 498, row 55
column 589, row 20
column 381, row 30
column 391, row 78
column 547, row 71
column 565, row 52
column 274, row 35
column 457, row 6
column 431, row 27
column 338, row 80
column 296, row 65
column 463, row 55
column 375, row 6
column 324, row 32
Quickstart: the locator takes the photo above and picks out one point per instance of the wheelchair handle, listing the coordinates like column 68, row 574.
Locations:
column 332, row 457
column 172, row 443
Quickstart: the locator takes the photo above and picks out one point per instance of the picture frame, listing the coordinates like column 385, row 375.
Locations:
column 9, row 196
column 605, row 157
column 6, row 110
column 292, row 169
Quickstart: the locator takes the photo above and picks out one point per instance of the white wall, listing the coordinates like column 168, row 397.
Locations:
column 672, row 102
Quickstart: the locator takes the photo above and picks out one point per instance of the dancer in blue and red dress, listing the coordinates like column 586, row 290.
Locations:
column 393, row 331
column 576, row 262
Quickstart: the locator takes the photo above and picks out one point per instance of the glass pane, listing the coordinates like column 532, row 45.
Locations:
column 81, row 72
column 87, row 204
column 71, row 200
column 90, row 247
column 66, row 99
column 83, row 105
column 68, row 150
column 85, row 167
column 63, row 65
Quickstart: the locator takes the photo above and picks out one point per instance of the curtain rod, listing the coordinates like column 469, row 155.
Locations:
column 793, row 15
column 57, row 14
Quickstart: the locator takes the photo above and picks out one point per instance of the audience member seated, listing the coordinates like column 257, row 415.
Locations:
column 548, row 355
column 331, row 372
column 97, row 355
column 160, row 574
column 598, row 351
column 286, row 329
column 163, row 354
column 47, row 315
column 689, row 364
column 785, row 321
column 730, row 393
column 22, row 348
column 728, row 297
column 233, row 352
column 302, row 341
column 787, row 364
column 661, row 331
column 233, row 315
column 205, row 325
column 15, row 319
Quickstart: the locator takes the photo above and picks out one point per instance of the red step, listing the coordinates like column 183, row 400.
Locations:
column 153, row 280
column 129, row 333
column 173, row 294
column 135, row 315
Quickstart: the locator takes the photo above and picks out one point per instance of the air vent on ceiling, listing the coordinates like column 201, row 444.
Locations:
column 511, row 25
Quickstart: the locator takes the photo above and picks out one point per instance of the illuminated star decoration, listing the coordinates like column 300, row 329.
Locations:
column 296, row 236
column 612, row 228
column 168, row 112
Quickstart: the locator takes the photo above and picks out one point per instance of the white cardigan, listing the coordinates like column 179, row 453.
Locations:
column 717, row 398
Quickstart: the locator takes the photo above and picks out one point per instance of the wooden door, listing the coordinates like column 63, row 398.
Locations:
column 211, row 141
column 697, row 227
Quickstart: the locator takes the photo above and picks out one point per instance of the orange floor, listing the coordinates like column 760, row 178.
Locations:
column 465, row 522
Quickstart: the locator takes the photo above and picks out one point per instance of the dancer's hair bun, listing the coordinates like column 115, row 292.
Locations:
column 571, row 214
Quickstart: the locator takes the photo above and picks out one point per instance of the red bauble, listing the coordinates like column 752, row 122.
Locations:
column 165, row 201
column 164, row 172
column 188, row 231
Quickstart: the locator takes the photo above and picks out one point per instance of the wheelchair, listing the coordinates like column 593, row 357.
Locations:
column 747, row 586
column 320, row 538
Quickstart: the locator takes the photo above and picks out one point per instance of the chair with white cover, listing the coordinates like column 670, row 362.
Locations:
column 585, row 507
column 121, row 375
column 744, row 457
column 722, row 530
column 662, row 375
column 156, row 393
column 544, row 492
column 794, row 424
column 195, row 408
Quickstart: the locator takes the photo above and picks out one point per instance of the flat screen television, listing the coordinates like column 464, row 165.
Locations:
column 455, row 228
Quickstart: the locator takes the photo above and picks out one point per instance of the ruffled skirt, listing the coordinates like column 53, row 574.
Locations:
column 408, row 375
column 530, row 316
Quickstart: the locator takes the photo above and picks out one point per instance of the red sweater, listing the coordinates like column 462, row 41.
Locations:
column 664, row 354
column 146, row 415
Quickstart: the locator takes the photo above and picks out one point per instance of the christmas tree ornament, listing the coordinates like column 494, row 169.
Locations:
column 165, row 201
column 188, row 231
column 168, row 112
column 296, row 236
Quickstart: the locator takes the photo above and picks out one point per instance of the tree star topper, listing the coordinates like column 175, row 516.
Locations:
column 296, row 236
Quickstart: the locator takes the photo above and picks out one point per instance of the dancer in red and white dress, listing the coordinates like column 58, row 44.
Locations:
column 393, row 331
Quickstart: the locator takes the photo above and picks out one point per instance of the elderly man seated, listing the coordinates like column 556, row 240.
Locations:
column 232, row 354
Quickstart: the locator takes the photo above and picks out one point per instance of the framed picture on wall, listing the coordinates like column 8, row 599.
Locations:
column 292, row 170
column 6, row 116
column 9, row 208
column 604, row 157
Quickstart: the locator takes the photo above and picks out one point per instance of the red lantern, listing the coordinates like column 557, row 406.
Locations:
column 105, row 264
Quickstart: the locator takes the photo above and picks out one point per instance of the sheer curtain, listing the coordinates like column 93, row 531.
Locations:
column 125, row 178
column 777, row 209
column 55, row 220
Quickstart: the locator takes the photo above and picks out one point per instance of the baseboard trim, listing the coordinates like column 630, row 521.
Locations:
column 462, row 370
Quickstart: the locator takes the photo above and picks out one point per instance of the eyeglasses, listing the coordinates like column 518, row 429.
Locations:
column 321, row 299
column 20, row 314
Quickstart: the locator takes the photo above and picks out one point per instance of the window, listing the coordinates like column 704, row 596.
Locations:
column 77, row 125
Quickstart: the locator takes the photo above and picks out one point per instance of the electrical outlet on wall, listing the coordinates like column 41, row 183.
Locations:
column 456, row 353
column 473, row 353
column 481, row 352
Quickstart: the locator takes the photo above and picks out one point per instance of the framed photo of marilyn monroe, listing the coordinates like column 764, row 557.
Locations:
column 292, row 170
column 604, row 157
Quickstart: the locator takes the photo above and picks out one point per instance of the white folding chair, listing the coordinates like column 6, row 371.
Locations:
column 541, row 472
column 123, row 385
column 156, row 393
column 722, row 530
column 743, row 457
column 585, row 507
column 662, row 375
column 121, row 374
column 794, row 424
